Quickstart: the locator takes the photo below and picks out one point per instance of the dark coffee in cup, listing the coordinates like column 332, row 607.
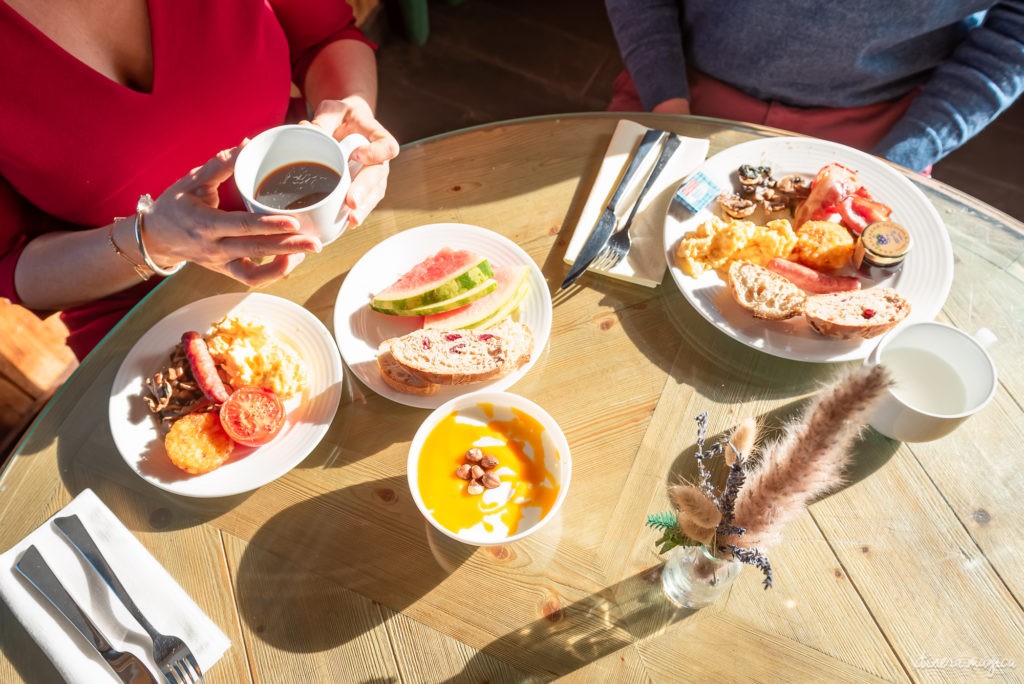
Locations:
column 297, row 185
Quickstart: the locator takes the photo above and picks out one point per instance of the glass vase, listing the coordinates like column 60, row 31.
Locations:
column 693, row 578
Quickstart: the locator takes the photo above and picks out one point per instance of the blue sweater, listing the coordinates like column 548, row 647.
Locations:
column 969, row 62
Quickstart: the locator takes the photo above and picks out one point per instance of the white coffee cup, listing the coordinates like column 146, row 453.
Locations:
column 942, row 377
column 284, row 145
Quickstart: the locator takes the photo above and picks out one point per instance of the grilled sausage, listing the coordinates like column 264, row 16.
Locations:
column 809, row 280
column 203, row 367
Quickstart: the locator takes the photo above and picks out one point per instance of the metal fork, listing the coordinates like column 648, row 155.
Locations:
column 174, row 657
column 618, row 244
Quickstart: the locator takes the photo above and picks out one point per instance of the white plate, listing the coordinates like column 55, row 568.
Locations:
column 135, row 430
column 359, row 329
column 925, row 278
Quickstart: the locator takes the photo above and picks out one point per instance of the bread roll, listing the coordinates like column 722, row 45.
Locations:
column 763, row 293
column 456, row 357
column 862, row 313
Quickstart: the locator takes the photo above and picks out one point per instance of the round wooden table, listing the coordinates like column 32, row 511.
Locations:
column 911, row 571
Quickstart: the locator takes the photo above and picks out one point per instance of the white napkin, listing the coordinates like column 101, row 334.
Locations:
column 645, row 262
column 161, row 599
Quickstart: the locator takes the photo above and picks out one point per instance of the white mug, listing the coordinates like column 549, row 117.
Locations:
column 942, row 377
column 282, row 146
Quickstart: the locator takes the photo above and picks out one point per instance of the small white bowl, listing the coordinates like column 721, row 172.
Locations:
column 501, row 404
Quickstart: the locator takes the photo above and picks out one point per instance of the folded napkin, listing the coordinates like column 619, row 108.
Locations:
column 645, row 263
column 156, row 593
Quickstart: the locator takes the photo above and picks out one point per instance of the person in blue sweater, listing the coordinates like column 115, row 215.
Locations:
column 910, row 82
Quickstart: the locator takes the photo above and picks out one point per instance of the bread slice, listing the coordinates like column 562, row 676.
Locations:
column 764, row 293
column 397, row 377
column 456, row 357
column 861, row 313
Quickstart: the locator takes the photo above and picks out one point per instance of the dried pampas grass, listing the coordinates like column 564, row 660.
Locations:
column 697, row 515
column 807, row 461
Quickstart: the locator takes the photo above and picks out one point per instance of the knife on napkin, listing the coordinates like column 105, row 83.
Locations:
column 606, row 224
column 671, row 145
column 126, row 666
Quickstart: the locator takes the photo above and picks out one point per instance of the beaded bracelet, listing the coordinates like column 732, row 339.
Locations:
column 145, row 202
column 140, row 270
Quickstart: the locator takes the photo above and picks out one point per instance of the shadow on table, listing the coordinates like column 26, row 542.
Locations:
column 312, row 576
column 576, row 635
column 871, row 450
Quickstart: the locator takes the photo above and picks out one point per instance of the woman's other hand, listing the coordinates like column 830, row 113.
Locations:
column 354, row 115
column 185, row 224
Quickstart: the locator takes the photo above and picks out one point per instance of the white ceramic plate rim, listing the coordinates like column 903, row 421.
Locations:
column 925, row 279
column 359, row 330
column 502, row 400
column 135, row 431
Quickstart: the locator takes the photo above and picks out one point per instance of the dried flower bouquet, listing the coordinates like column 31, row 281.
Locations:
column 761, row 496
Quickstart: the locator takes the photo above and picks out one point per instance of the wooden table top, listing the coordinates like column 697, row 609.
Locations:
column 912, row 571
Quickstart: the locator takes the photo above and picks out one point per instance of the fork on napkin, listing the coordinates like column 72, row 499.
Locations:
column 645, row 262
column 159, row 596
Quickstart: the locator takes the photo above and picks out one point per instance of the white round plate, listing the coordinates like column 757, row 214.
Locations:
column 135, row 430
column 359, row 329
column 924, row 280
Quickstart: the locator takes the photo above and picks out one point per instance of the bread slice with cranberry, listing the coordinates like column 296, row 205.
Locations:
column 860, row 313
column 398, row 377
column 764, row 293
column 456, row 357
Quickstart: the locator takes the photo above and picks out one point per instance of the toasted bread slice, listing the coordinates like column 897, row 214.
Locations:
column 861, row 313
column 398, row 377
column 456, row 357
column 763, row 293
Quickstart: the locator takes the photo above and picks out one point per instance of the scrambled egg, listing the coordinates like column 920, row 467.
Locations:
column 716, row 243
column 251, row 357
column 823, row 245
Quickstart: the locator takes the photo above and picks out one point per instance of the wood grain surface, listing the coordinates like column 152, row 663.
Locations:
column 911, row 571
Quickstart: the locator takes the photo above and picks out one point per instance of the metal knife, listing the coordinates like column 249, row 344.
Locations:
column 671, row 145
column 606, row 224
column 125, row 665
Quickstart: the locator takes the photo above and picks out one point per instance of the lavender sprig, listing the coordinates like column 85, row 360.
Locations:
column 703, row 473
column 752, row 557
column 727, row 503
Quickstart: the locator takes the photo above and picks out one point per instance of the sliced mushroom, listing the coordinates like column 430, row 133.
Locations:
column 736, row 206
column 796, row 185
column 753, row 175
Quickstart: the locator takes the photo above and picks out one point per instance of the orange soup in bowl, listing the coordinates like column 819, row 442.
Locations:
column 487, row 471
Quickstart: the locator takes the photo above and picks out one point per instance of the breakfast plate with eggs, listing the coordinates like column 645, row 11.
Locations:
column 924, row 279
column 310, row 408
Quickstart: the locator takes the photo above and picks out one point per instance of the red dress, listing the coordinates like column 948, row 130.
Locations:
column 77, row 149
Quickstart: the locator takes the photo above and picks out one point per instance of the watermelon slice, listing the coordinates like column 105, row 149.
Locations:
column 456, row 302
column 443, row 277
column 513, row 284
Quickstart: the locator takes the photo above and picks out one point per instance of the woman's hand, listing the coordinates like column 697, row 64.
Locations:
column 185, row 223
column 354, row 115
column 675, row 105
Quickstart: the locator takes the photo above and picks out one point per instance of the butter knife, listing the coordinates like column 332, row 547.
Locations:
column 606, row 224
column 126, row 666
column 671, row 145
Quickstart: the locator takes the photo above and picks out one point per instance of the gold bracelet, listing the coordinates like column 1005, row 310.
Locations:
column 145, row 202
column 140, row 270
